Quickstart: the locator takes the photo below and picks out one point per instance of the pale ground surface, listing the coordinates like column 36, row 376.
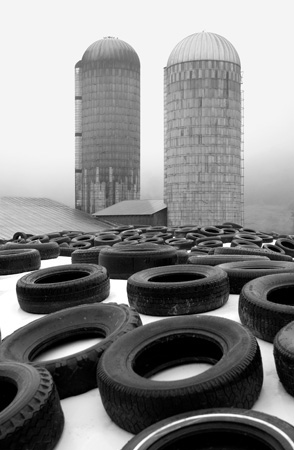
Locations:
column 87, row 426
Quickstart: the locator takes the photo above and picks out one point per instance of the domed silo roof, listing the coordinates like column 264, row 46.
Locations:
column 204, row 46
column 110, row 50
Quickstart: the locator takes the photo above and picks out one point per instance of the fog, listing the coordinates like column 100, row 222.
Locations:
column 42, row 41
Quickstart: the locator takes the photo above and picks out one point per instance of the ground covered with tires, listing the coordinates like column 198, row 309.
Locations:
column 175, row 320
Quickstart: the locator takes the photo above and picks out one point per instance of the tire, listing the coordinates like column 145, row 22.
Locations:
column 182, row 256
column 31, row 416
column 273, row 248
column 54, row 288
column 211, row 231
column 106, row 239
column 43, row 238
column 122, row 261
column 287, row 245
column 65, row 250
column 242, row 272
column 211, row 243
column 284, row 357
column 134, row 401
column 48, row 250
column 180, row 243
column 274, row 256
column 179, row 289
column 266, row 305
column 18, row 261
column 76, row 373
column 19, row 235
column 216, row 428
column 252, row 238
column 214, row 260
column 243, row 243
column 88, row 256
column 85, row 238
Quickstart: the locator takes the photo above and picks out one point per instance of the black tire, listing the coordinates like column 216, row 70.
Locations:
column 215, row 260
column 180, row 243
column 48, row 250
column 179, row 289
column 30, row 415
column 80, row 244
column 19, row 260
column 211, row 231
column 242, row 272
column 122, row 261
column 54, row 288
column 66, row 250
column 182, row 256
column 243, row 243
column 88, row 256
column 43, row 238
column 86, row 238
column 106, row 239
column 266, row 304
column 61, row 239
column 252, row 238
column 287, row 245
column 214, row 429
column 76, row 373
column 274, row 256
column 134, row 401
column 19, row 235
column 273, row 248
column 284, row 356
column 210, row 243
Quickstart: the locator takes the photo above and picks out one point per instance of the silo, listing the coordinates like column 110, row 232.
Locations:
column 203, row 167
column 107, row 125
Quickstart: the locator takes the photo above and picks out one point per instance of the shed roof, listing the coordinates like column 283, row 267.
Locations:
column 132, row 208
column 40, row 216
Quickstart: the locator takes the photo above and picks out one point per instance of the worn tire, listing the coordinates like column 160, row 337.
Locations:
column 48, row 250
column 122, row 261
column 216, row 428
column 54, row 288
column 134, row 401
column 88, row 256
column 76, row 373
column 30, row 415
column 19, row 260
column 106, row 239
column 266, row 304
column 287, row 245
column 242, row 272
column 215, row 260
column 274, row 256
column 284, row 356
column 179, row 289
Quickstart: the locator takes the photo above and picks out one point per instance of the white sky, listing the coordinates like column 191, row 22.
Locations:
column 41, row 41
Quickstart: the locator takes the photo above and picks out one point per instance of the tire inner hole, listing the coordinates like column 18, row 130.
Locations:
column 176, row 277
column 8, row 392
column 282, row 296
column 67, row 345
column 212, row 437
column 61, row 277
column 177, row 357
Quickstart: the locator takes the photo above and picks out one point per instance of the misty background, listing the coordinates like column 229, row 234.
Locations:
column 41, row 42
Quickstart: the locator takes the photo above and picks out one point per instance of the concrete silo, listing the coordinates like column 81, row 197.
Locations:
column 203, row 169
column 107, row 125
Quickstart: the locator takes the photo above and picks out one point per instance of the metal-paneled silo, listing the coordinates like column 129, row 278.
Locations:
column 203, row 167
column 107, row 134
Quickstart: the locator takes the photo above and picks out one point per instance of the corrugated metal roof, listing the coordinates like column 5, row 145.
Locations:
column 109, row 49
column 132, row 208
column 42, row 215
column 204, row 46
